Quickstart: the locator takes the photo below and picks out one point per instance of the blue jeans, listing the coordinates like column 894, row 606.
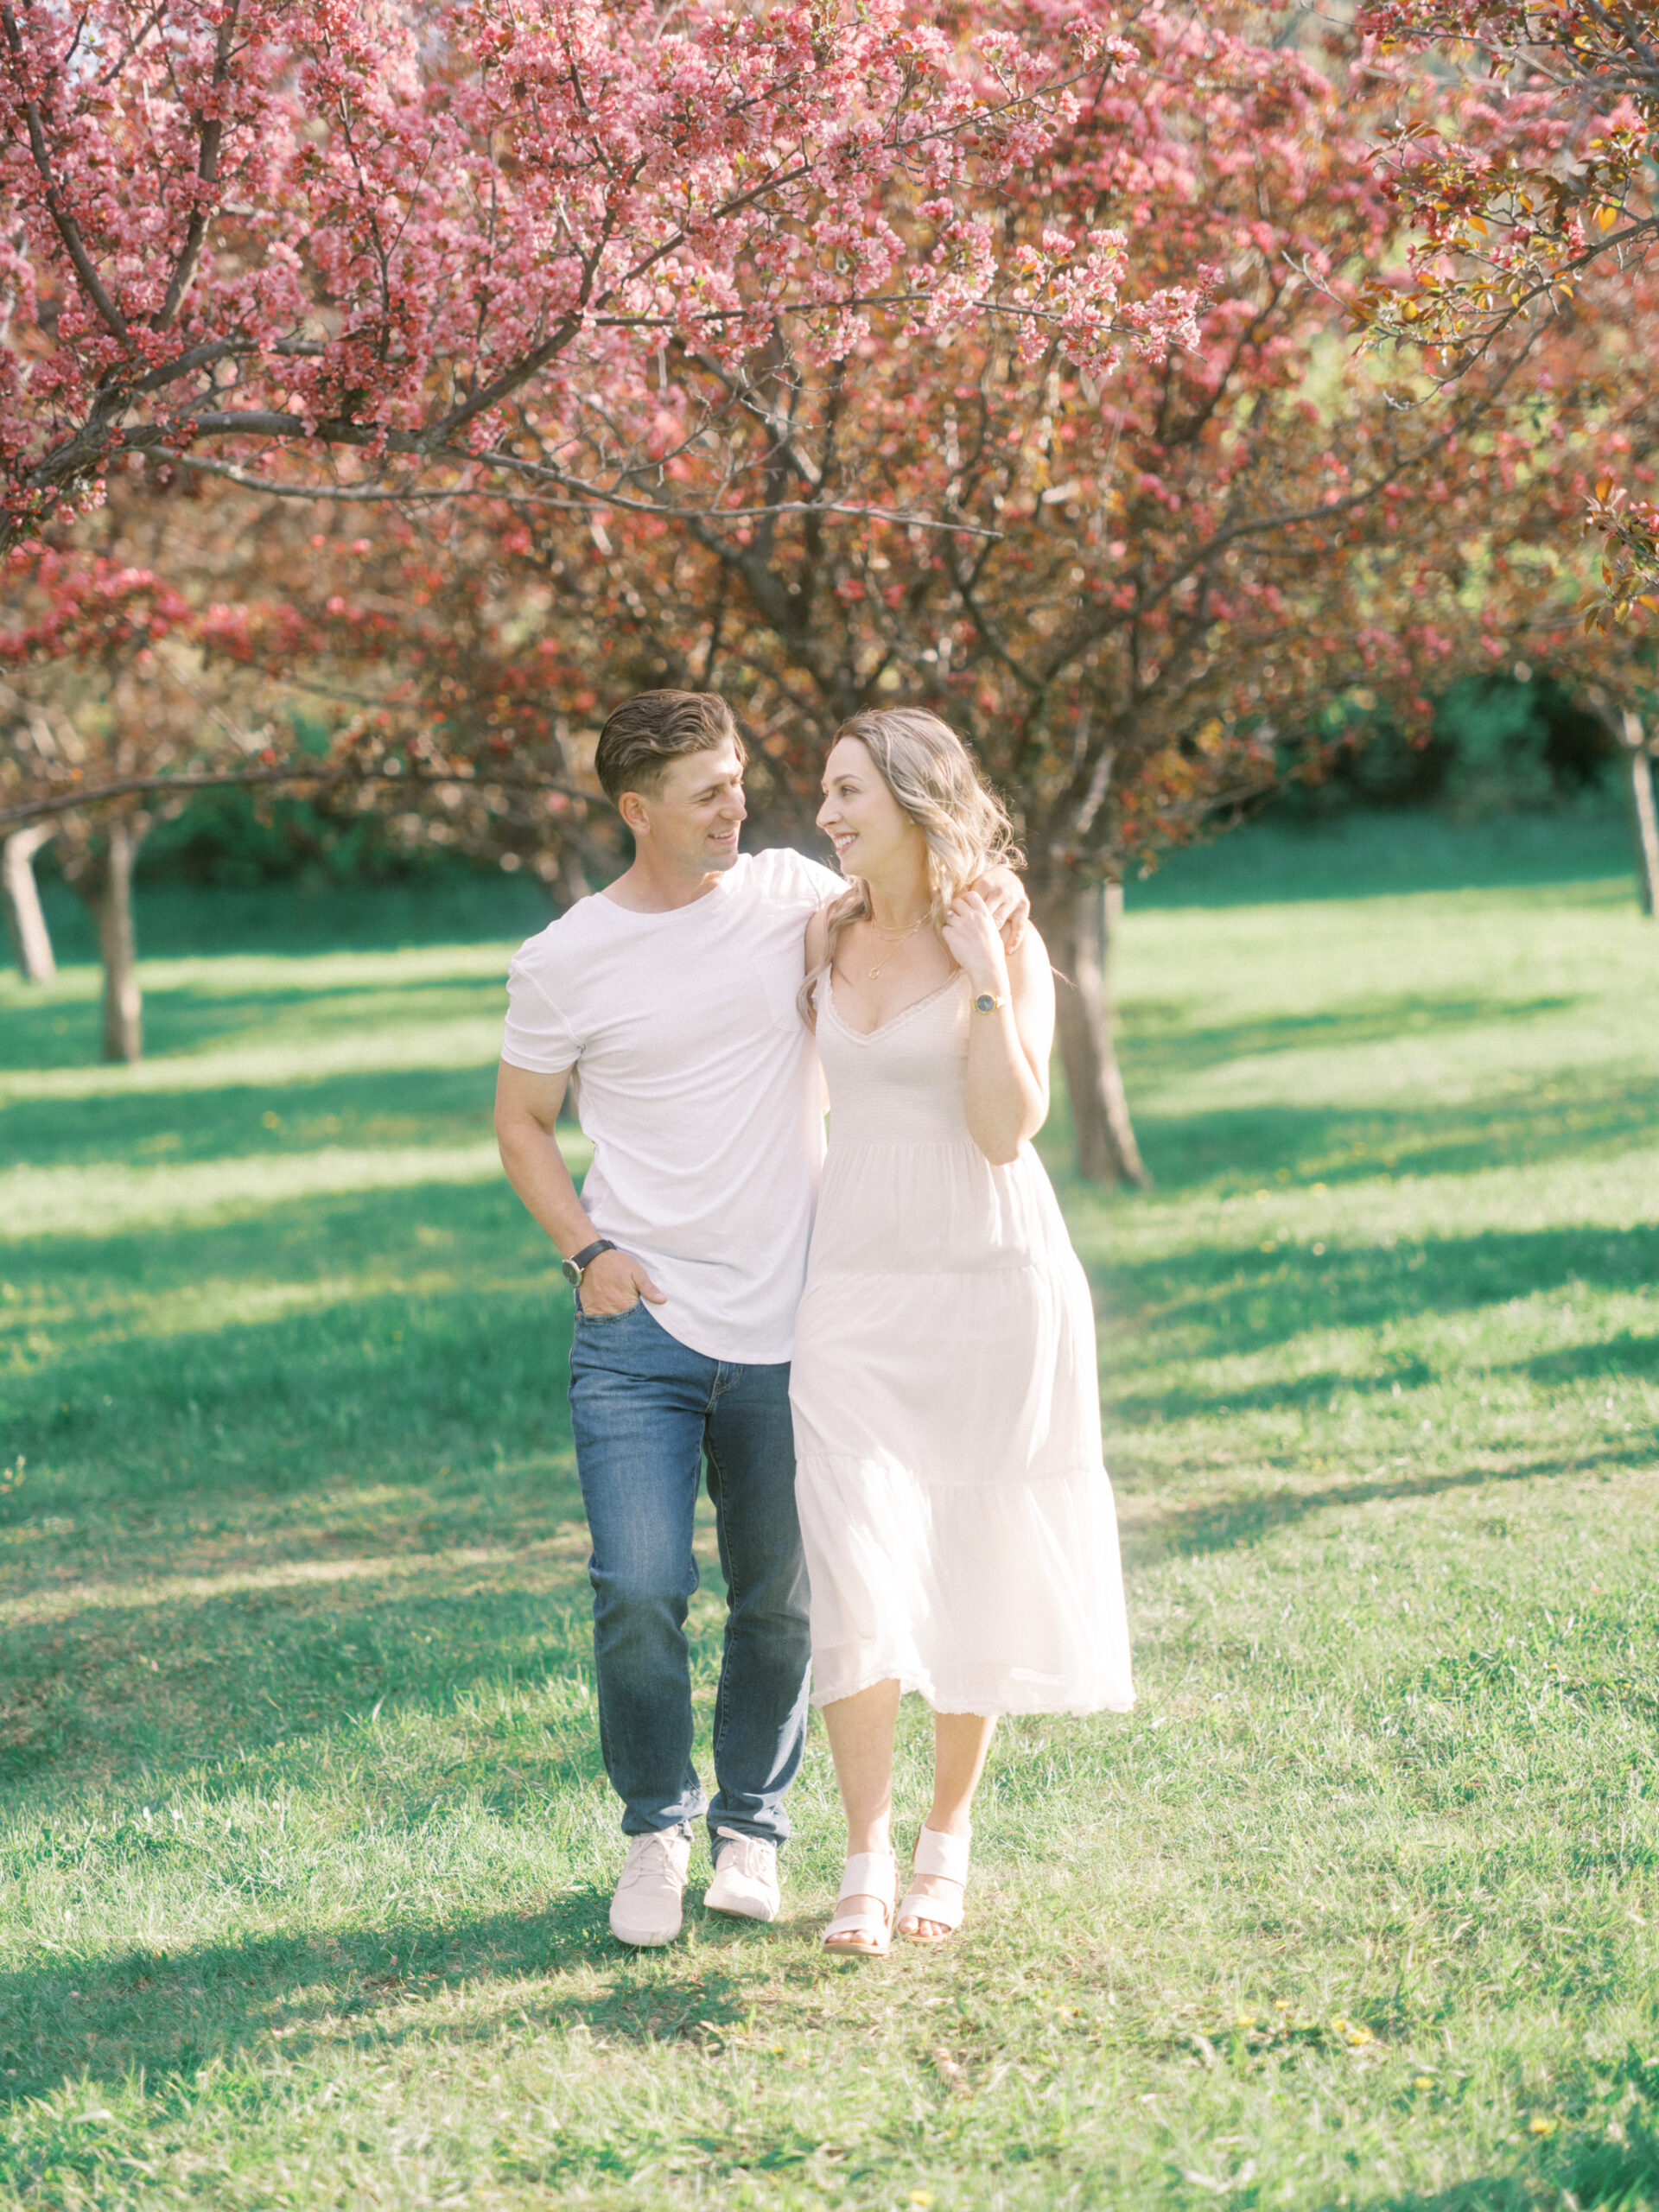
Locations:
column 646, row 1411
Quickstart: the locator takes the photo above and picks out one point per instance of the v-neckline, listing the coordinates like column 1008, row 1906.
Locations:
column 914, row 1007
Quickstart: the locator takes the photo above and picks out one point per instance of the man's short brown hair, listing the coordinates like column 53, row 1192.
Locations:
column 653, row 728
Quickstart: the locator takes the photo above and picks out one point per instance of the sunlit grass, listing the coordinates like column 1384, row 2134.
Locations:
column 307, row 1845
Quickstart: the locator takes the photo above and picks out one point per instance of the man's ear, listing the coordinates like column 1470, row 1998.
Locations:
column 631, row 808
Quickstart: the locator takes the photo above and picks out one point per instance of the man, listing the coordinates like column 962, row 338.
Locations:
column 670, row 999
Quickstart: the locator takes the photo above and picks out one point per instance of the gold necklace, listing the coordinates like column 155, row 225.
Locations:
column 895, row 938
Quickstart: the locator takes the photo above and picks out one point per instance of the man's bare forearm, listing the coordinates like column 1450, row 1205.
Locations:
column 526, row 1130
column 535, row 1168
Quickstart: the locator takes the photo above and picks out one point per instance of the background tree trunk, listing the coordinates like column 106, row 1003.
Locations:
column 101, row 872
column 1644, row 816
column 1080, row 926
column 124, row 1005
column 31, row 940
column 571, row 882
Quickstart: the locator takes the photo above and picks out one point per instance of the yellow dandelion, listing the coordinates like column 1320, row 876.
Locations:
column 1539, row 2126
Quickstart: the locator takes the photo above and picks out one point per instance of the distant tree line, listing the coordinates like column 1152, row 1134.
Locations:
column 1492, row 742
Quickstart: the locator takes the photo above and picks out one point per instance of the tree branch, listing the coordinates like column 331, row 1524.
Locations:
column 63, row 222
column 47, row 805
column 206, row 174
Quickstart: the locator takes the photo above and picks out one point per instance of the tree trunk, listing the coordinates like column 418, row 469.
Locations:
column 102, row 875
column 30, row 939
column 124, row 1005
column 572, row 882
column 1644, row 816
column 1080, row 927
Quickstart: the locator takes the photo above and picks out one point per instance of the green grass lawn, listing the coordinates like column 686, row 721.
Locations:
column 305, row 1846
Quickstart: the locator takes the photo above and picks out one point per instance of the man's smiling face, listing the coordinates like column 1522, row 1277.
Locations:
column 695, row 816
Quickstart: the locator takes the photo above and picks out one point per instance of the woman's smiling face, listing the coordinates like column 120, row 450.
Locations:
column 870, row 831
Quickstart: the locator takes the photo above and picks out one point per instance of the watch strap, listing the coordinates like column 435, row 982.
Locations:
column 579, row 1262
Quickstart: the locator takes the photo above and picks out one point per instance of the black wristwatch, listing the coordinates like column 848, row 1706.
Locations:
column 579, row 1262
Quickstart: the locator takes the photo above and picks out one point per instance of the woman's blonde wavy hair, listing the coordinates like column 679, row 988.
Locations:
column 929, row 771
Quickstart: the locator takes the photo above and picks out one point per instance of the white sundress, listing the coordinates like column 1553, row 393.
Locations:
column 958, row 1519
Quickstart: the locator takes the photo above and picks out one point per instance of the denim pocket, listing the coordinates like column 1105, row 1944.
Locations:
column 603, row 1320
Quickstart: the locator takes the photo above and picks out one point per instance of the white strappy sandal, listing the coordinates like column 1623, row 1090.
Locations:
column 869, row 1874
column 947, row 1857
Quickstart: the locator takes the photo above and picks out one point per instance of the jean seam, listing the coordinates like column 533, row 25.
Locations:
column 719, row 1737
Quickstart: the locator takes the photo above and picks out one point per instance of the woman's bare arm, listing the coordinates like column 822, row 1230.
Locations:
column 1006, row 1100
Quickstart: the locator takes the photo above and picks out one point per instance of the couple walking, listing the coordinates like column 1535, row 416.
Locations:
column 896, row 1403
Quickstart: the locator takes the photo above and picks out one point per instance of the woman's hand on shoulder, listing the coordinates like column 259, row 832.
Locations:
column 1004, row 894
column 975, row 943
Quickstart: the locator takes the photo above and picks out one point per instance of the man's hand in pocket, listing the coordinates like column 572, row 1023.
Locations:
column 615, row 1281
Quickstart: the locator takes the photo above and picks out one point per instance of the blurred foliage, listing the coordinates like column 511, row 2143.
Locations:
column 1510, row 742
column 234, row 839
column 1496, row 742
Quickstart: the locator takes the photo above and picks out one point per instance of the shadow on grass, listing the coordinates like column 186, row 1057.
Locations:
column 363, row 1495
column 1624, row 1354
column 60, row 1030
column 1298, row 1392
column 325, row 1238
column 169, row 2013
column 1222, row 1525
column 1162, row 1040
column 1583, row 2166
column 166, row 2013
column 377, row 1336
column 1612, row 1360
column 249, row 1121
column 394, row 1387
column 401, row 1330
column 1214, row 1299
column 97, row 1686
column 1236, row 1147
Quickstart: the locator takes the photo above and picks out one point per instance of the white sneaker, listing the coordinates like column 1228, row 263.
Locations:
column 646, row 1906
column 745, row 1877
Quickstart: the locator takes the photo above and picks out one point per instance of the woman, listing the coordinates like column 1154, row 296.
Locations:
column 958, row 1523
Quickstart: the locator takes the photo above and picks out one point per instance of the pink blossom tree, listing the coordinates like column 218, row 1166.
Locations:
column 105, row 687
column 1157, row 569
column 1522, row 158
column 367, row 248
column 378, row 251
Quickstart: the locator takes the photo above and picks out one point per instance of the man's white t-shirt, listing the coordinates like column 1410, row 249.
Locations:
column 698, row 1082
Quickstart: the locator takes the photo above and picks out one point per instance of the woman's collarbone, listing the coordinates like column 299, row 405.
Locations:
column 871, row 1001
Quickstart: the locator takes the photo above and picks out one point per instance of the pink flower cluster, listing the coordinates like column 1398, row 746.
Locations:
column 401, row 238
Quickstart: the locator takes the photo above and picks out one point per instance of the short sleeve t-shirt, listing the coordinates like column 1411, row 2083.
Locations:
column 698, row 1082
